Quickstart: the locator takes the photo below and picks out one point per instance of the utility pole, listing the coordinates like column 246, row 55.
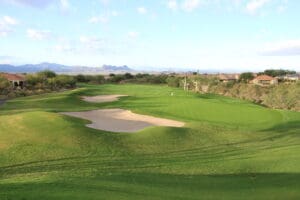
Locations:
column 185, row 83
column 196, row 85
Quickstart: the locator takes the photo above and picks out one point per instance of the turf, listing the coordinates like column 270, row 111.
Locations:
column 229, row 149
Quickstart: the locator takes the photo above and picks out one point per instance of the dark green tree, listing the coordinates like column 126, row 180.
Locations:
column 246, row 77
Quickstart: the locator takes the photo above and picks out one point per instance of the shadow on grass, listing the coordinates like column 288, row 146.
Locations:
column 128, row 185
column 292, row 126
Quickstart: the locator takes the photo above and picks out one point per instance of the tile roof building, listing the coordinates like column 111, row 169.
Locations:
column 17, row 80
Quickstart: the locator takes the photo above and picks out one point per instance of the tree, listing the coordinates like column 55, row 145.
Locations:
column 278, row 72
column 128, row 76
column 5, row 86
column 34, row 81
column 97, row 79
column 64, row 81
column 100, row 79
column 246, row 77
column 116, row 78
column 47, row 74
column 173, row 81
column 81, row 78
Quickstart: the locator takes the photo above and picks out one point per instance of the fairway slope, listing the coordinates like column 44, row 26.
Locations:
column 102, row 98
column 228, row 149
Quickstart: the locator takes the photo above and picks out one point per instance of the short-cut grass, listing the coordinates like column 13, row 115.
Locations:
column 229, row 148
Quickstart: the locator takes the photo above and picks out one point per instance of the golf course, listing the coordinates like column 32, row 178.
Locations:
column 222, row 148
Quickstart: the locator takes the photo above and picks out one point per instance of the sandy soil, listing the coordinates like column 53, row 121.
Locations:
column 119, row 120
column 102, row 98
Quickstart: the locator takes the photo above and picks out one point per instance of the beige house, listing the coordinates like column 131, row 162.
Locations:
column 17, row 80
column 289, row 78
column 264, row 80
column 228, row 77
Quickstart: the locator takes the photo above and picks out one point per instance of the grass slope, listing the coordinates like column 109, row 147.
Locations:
column 229, row 149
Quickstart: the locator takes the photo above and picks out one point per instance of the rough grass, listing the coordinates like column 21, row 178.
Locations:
column 229, row 149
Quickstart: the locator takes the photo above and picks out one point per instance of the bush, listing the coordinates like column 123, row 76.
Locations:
column 246, row 77
column 81, row 78
column 5, row 86
column 173, row 81
column 95, row 79
column 64, row 81
column 277, row 72
column 34, row 81
column 46, row 74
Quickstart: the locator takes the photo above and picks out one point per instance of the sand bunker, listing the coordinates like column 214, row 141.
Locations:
column 119, row 120
column 102, row 98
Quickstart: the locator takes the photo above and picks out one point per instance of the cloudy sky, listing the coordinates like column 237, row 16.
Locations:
column 200, row 34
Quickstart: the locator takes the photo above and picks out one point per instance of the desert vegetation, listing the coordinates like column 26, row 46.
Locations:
column 41, row 82
column 281, row 96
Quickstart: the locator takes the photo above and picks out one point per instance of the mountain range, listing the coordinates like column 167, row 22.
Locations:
column 58, row 68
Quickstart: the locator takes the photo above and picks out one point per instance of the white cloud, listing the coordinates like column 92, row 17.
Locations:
column 281, row 9
column 92, row 43
column 283, row 6
column 172, row 4
column 99, row 46
column 104, row 18
column 142, row 10
column 250, row 6
column 190, row 5
column 114, row 13
column 65, row 5
column 6, row 24
column 9, row 20
column 253, row 5
column 32, row 3
column 282, row 48
column 98, row 19
column 6, row 59
column 4, row 31
column 83, row 39
column 63, row 48
column 133, row 34
column 38, row 34
column 105, row 2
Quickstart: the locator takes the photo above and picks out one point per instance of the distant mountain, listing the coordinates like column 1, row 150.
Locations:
column 32, row 68
column 116, row 68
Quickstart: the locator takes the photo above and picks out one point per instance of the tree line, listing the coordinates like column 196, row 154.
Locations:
column 41, row 82
column 279, row 96
column 47, row 81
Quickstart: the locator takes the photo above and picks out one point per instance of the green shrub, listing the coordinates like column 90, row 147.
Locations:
column 173, row 81
column 5, row 86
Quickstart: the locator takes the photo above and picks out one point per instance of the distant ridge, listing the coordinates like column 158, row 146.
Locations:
column 58, row 68
column 116, row 68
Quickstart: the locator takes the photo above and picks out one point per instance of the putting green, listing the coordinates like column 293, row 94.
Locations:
column 229, row 149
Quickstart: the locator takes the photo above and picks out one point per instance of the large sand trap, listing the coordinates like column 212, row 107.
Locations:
column 119, row 120
column 102, row 98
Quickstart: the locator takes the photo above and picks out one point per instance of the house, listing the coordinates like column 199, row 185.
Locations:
column 264, row 80
column 17, row 80
column 289, row 78
column 228, row 77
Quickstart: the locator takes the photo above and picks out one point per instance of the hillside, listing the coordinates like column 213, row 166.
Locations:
column 229, row 149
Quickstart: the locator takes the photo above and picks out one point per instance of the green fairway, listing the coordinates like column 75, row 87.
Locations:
column 228, row 149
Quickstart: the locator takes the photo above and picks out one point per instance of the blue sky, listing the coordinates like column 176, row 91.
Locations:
column 237, row 35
